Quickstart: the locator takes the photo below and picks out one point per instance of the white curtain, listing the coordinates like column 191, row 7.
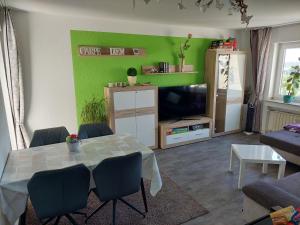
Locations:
column 12, row 83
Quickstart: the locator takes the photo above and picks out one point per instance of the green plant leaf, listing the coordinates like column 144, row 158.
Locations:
column 94, row 111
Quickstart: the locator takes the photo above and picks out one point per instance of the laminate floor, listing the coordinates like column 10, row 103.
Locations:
column 201, row 170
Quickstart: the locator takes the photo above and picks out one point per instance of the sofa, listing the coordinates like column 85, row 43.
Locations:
column 286, row 143
column 260, row 196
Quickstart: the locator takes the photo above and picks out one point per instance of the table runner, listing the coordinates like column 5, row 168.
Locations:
column 21, row 165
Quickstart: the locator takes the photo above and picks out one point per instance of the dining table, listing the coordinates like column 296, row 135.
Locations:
column 22, row 164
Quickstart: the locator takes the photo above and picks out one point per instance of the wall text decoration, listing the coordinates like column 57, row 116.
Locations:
column 109, row 51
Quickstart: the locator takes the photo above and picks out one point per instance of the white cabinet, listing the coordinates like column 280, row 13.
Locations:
column 133, row 110
column 225, row 75
column 188, row 136
column 175, row 133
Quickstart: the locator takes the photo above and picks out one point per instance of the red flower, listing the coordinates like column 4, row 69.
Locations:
column 73, row 136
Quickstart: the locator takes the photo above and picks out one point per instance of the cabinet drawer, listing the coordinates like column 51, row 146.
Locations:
column 176, row 138
column 201, row 133
column 188, row 136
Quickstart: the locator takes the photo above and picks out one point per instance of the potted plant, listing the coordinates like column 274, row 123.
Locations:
column 183, row 48
column 73, row 143
column 94, row 111
column 292, row 84
column 131, row 76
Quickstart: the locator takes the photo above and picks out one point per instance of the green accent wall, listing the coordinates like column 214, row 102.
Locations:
column 91, row 74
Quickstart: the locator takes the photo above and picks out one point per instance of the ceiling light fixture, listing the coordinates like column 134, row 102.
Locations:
column 203, row 5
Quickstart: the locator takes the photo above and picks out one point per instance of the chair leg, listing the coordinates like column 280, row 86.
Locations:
column 144, row 195
column 114, row 211
column 93, row 213
column 90, row 191
column 80, row 213
column 47, row 221
column 70, row 218
column 131, row 206
column 57, row 220
column 22, row 220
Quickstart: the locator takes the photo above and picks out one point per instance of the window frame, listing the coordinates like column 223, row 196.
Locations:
column 279, row 68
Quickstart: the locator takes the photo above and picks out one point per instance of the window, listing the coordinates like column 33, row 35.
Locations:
column 288, row 56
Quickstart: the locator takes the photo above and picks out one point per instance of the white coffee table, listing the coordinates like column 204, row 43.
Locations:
column 263, row 154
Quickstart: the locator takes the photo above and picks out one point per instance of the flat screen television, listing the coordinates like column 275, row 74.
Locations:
column 181, row 101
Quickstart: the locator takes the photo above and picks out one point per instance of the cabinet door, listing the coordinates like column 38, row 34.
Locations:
column 235, row 92
column 126, row 125
column 124, row 100
column 233, row 117
column 145, row 99
column 146, row 129
column 236, row 77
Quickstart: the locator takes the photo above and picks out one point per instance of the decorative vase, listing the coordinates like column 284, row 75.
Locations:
column 131, row 80
column 74, row 147
column 181, row 65
column 288, row 98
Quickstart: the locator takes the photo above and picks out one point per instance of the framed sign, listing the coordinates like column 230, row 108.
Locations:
column 109, row 51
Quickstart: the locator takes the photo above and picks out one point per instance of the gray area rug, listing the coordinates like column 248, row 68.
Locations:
column 171, row 206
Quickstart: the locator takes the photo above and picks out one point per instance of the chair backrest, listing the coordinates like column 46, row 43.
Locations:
column 49, row 136
column 58, row 192
column 94, row 130
column 118, row 176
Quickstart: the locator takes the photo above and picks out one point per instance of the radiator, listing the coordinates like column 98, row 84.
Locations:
column 277, row 120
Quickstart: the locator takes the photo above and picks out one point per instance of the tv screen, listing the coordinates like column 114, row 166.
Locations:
column 181, row 101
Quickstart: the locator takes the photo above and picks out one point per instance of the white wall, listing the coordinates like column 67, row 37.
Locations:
column 44, row 43
column 4, row 135
column 282, row 34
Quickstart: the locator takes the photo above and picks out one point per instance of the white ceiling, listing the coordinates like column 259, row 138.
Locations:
column 265, row 12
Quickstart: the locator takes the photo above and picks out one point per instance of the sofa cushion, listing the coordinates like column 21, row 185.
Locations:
column 269, row 195
column 290, row 184
column 284, row 140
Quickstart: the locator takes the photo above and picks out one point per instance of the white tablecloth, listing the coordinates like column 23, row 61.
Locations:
column 21, row 165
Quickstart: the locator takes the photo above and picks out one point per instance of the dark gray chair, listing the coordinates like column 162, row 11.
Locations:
column 116, row 178
column 94, row 130
column 49, row 136
column 58, row 193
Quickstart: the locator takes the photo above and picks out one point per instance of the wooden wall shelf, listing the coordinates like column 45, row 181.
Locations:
column 149, row 74
column 151, row 70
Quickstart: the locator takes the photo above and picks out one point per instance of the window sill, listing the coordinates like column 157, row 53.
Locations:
column 276, row 101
